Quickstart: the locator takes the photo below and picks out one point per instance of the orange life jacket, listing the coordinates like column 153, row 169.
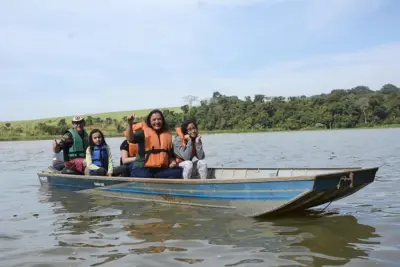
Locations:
column 180, row 134
column 133, row 148
column 138, row 126
column 157, row 148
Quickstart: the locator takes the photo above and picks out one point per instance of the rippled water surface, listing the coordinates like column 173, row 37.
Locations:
column 43, row 227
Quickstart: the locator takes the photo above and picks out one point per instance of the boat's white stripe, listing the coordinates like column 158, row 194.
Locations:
column 206, row 191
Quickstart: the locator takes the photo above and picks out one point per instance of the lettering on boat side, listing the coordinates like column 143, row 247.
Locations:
column 98, row 184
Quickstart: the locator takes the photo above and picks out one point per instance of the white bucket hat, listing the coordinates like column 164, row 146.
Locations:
column 77, row 119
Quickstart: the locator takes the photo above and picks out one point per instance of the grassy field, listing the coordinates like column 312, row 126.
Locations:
column 113, row 115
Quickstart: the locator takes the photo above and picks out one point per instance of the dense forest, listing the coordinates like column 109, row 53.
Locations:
column 341, row 108
column 356, row 107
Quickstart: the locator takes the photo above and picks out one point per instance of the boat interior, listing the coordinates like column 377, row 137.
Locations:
column 253, row 173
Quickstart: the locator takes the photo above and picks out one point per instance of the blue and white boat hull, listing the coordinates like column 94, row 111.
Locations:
column 250, row 192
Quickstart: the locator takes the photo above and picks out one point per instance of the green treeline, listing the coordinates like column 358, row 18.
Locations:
column 341, row 108
column 356, row 107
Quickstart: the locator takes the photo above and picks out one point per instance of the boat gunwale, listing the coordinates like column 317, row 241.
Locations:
column 215, row 180
column 347, row 171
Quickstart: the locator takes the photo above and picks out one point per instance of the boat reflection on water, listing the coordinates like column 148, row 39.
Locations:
column 327, row 239
column 317, row 239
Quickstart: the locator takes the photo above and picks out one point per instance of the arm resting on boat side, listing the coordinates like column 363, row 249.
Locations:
column 183, row 152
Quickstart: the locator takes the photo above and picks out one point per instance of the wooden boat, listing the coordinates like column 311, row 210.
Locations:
column 251, row 192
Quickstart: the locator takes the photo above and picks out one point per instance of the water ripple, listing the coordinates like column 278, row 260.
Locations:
column 42, row 227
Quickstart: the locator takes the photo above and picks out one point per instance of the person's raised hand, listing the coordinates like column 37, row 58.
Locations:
column 131, row 118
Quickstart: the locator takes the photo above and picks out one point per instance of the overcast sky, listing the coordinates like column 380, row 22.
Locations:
column 69, row 57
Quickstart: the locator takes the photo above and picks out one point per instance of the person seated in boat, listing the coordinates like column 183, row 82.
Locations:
column 129, row 152
column 58, row 158
column 73, row 144
column 187, row 144
column 155, row 157
column 99, row 158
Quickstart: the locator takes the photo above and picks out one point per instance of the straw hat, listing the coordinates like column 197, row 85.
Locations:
column 77, row 119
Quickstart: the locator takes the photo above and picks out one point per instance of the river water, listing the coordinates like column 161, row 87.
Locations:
column 43, row 227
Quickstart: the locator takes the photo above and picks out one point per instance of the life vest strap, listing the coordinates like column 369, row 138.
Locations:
column 153, row 150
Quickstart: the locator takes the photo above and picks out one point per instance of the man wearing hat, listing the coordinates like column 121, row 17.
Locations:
column 74, row 143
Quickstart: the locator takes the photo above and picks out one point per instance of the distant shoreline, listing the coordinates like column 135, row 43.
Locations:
column 49, row 137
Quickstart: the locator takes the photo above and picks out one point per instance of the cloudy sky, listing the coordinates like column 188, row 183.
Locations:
column 70, row 57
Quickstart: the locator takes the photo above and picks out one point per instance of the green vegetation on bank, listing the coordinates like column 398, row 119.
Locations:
column 112, row 115
column 112, row 123
column 359, row 107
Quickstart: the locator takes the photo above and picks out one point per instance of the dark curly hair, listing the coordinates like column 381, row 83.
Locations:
column 91, row 144
column 185, row 124
column 164, row 127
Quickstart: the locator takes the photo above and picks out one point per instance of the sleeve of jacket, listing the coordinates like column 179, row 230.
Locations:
column 199, row 151
column 110, row 160
column 138, row 137
column 180, row 150
column 89, row 162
